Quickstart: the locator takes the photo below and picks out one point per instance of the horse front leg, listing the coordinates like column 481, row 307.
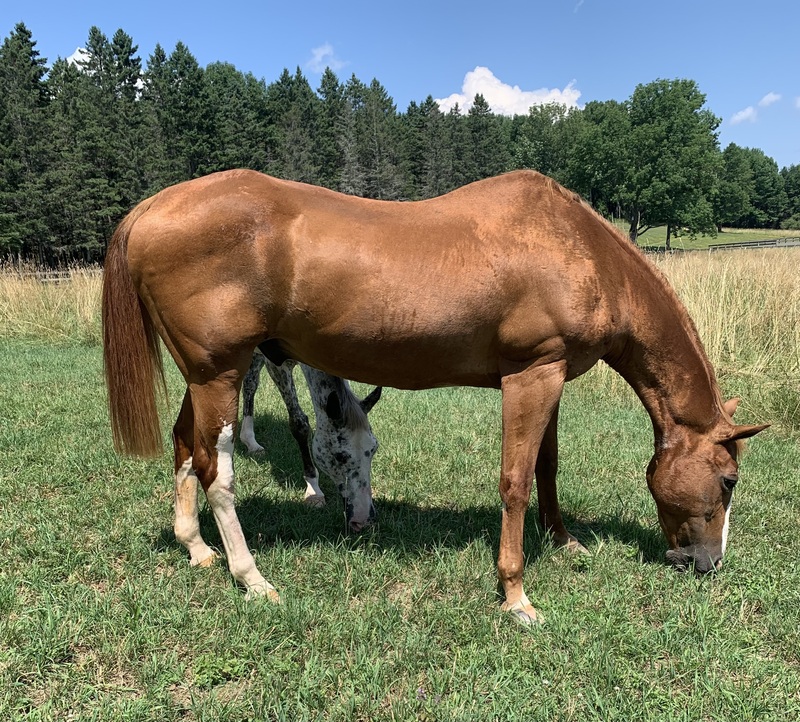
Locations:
column 546, row 471
column 530, row 397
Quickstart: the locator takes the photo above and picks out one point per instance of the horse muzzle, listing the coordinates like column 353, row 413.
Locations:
column 356, row 526
column 694, row 557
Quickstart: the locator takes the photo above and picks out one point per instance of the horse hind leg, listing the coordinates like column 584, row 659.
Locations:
column 546, row 471
column 187, row 523
column 283, row 377
column 215, row 405
column 249, row 388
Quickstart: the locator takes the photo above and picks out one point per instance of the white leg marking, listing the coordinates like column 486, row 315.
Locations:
column 221, row 499
column 726, row 526
column 248, row 437
column 187, row 524
column 313, row 495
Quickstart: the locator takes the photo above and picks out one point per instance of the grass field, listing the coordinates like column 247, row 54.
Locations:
column 656, row 237
column 101, row 618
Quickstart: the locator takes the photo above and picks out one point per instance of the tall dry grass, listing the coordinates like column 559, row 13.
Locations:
column 746, row 305
column 34, row 304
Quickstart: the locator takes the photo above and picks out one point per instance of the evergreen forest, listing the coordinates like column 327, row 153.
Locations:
column 82, row 142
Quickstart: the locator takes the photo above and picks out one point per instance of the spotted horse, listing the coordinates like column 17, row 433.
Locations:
column 342, row 446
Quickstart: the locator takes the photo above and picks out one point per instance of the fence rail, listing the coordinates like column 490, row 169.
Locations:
column 60, row 276
column 766, row 243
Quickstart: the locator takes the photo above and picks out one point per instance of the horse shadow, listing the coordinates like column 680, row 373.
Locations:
column 408, row 529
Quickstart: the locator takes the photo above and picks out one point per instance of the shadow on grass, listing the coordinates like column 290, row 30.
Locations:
column 405, row 528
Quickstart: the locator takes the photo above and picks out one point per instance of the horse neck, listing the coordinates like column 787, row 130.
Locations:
column 662, row 359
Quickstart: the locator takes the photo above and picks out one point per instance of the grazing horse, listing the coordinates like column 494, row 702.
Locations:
column 512, row 283
column 343, row 452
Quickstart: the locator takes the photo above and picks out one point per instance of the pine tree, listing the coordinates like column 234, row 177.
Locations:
column 379, row 142
column 23, row 145
column 237, row 123
column 489, row 148
column 352, row 178
column 292, row 112
column 174, row 88
column 330, row 116
column 437, row 152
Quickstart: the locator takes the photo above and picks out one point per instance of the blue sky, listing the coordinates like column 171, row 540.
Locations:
column 744, row 55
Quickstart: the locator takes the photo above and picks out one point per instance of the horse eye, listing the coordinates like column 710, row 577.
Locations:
column 729, row 482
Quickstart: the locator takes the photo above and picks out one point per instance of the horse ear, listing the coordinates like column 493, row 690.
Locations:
column 372, row 399
column 730, row 406
column 333, row 408
column 745, row 432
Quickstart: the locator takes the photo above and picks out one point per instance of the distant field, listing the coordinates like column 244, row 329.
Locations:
column 101, row 617
column 656, row 237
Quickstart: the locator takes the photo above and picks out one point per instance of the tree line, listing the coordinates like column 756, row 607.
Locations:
column 82, row 142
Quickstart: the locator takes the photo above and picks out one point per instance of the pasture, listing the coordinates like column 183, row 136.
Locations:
column 101, row 617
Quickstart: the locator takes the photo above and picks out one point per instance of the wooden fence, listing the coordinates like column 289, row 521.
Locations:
column 767, row 243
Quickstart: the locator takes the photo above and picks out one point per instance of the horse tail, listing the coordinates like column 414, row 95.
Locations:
column 131, row 352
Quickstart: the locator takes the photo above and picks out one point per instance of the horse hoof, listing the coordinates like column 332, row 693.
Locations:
column 575, row 547
column 256, row 450
column 205, row 562
column 261, row 591
column 316, row 501
column 524, row 614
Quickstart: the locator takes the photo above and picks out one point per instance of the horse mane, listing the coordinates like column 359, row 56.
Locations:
column 353, row 414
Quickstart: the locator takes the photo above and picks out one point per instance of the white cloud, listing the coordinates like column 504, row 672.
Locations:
column 79, row 56
column 578, row 6
column 749, row 114
column 324, row 57
column 505, row 99
column 769, row 99
column 797, row 102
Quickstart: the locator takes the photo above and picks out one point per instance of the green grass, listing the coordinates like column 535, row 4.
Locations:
column 655, row 238
column 101, row 617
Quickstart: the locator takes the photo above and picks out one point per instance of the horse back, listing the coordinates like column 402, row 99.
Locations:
column 508, row 268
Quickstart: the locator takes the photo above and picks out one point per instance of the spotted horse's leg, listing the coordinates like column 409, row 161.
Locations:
column 529, row 399
column 249, row 388
column 283, row 377
column 549, row 509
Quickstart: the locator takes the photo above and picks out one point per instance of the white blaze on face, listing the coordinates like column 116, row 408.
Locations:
column 726, row 525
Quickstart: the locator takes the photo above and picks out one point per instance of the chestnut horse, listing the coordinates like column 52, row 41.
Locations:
column 512, row 283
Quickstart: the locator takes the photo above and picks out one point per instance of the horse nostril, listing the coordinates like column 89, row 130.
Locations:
column 356, row 527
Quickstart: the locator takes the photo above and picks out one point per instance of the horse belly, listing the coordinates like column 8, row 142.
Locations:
column 391, row 350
